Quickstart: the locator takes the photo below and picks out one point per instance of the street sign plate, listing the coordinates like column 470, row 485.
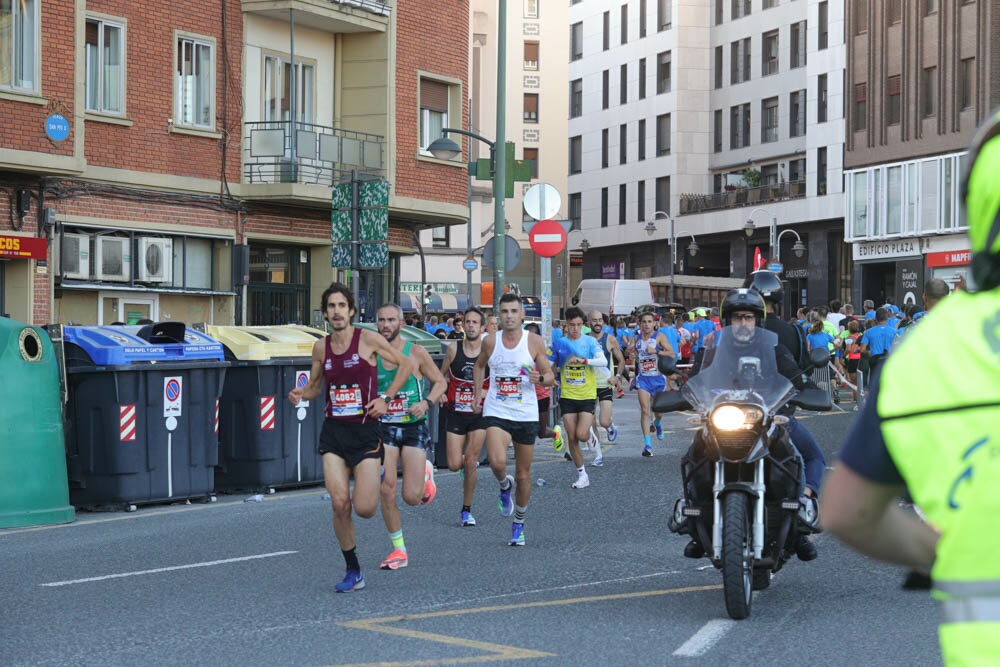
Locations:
column 542, row 201
column 775, row 267
column 547, row 238
column 511, row 253
column 470, row 264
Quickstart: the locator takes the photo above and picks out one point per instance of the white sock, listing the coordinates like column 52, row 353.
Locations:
column 582, row 470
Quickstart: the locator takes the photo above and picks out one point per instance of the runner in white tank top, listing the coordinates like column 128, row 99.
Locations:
column 511, row 394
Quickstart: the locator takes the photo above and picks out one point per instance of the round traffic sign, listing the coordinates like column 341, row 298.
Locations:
column 547, row 238
column 542, row 201
column 470, row 264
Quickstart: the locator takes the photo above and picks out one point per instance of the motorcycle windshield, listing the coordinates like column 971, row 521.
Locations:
column 740, row 371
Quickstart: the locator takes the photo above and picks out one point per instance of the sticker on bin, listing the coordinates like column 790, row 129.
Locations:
column 172, row 390
column 301, row 380
column 126, row 429
column 216, row 416
column 267, row 413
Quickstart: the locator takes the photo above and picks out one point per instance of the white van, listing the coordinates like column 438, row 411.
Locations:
column 614, row 297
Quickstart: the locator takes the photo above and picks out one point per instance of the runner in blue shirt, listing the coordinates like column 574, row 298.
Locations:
column 878, row 340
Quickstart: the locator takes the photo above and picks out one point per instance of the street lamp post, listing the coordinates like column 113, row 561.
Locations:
column 650, row 228
column 584, row 247
column 774, row 238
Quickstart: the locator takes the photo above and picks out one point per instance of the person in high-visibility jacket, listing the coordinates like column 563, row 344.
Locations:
column 932, row 426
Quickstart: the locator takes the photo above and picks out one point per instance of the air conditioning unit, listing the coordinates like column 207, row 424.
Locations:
column 156, row 260
column 75, row 256
column 113, row 258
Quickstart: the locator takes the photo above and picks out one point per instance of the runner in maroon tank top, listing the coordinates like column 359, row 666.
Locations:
column 344, row 369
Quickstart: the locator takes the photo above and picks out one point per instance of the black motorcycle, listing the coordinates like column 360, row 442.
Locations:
column 742, row 477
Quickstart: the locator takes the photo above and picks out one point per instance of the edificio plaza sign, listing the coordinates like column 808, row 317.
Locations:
column 875, row 250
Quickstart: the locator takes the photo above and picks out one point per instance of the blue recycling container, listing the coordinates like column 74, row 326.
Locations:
column 142, row 414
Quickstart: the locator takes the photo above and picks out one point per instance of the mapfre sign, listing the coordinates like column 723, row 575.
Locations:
column 23, row 247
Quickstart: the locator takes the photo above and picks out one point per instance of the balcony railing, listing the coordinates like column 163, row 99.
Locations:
column 322, row 155
column 742, row 197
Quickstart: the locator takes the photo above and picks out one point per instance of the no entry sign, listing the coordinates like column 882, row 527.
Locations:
column 547, row 238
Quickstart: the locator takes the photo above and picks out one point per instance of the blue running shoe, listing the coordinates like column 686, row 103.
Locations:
column 659, row 429
column 353, row 581
column 612, row 433
column 647, row 450
column 506, row 505
column 516, row 535
column 467, row 519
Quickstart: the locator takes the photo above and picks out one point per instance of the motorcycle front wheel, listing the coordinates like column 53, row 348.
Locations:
column 737, row 555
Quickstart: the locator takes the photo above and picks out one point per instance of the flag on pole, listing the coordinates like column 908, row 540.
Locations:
column 758, row 259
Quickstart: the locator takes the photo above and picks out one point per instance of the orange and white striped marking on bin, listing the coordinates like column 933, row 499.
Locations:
column 267, row 413
column 126, row 423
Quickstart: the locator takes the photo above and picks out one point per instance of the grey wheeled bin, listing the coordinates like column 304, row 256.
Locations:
column 142, row 414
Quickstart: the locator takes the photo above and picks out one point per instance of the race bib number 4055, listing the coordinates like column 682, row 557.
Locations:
column 509, row 389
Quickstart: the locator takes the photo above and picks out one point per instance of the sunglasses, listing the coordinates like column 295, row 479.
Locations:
column 744, row 317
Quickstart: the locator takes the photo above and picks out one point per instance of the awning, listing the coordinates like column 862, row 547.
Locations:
column 440, row 303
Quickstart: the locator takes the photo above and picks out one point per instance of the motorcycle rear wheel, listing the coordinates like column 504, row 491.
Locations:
column 737, row 555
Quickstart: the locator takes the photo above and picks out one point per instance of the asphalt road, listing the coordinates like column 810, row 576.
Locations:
column 600, row 582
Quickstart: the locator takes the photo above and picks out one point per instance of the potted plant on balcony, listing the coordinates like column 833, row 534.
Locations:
column 751, row 177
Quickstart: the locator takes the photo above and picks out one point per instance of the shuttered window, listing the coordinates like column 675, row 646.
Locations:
column 433, row 96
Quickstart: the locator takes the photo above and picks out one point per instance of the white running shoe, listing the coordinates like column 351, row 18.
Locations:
column 594, row 442
column 582, row 482
column 598, row 457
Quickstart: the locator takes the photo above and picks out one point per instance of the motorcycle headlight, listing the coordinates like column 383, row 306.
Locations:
column 736, row 417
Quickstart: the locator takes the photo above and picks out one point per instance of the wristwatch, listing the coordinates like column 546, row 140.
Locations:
column 387, row 398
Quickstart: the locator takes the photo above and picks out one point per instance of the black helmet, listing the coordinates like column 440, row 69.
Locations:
column 743, row 298
column 981, row 200
column 767, row 284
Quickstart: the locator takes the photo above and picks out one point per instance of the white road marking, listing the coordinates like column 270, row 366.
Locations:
column 706, row 638
column 168, row 569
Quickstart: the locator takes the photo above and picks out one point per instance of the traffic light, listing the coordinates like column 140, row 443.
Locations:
column 428, row 288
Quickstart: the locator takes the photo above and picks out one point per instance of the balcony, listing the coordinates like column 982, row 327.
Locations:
column 334, row 16
column 742, row 197
column 323, row 157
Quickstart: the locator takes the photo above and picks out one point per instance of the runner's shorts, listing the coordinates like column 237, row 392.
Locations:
column 352, row 442
column 570, row 406
column 605, row 394
column 651, row 383
column 463, row 423
column 407, row 435
column 522, row 433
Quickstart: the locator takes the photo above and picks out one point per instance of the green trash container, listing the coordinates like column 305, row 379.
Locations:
column 33, row 485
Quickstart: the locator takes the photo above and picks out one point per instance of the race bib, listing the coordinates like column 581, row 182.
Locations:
column 399, row 409
column 647, row 366
column 346, row 401
column 464, row 397
column 575, row 376
column 509, row 389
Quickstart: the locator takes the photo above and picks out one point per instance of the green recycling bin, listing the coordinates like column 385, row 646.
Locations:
column 33, row 484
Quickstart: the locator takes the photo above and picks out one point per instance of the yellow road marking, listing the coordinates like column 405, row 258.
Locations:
column 492, row 652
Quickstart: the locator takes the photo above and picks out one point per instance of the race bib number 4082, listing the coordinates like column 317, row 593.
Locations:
column 346, row 401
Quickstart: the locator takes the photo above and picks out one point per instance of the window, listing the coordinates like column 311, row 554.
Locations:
column 797, row 114
column 607, row 30
column 622, row 143
column 739, row 126
column 824, row 25
column 575, row 154
column 739, row 61
column 575, row 210
column 623, row 84
column 664, row 11
column 195, row 83
column 642, row 139
column 642, row 78
column 663, row 134
column 718, row 67
column 860, row 17
column 821, row 97
column 768, row 4
column 640, row 198
column 531, row 107
column 622, row 203
column 531, row 55
column 663, row 72
column 642, row 18
column 769, row 120
column 769, row 55
column 663, row 194
column 278, row 90
column 717, row 131
column 531, row 154
column 718, row 12
column 894, row 11
column 623, row 29
column 821, row 170
column 798, row 45
column 604, row 207
column 605, row 85
column 930, row 6
column 576, row 98
column 928, row 92
column 604, row 148
column 576, row 41
column 740, row 8
column 19, row 48
column 531, row 9
column 105, row 66
column 440, row 237
column 892, row 98
column 769, row 174
column 433, row 110
column 797, row 170
column 860, row 106
column 966, row 83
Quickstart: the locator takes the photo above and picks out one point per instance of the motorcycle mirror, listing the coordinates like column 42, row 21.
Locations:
column 666, row 365
column 817, row 400
column 819, row 357
column 669, row 401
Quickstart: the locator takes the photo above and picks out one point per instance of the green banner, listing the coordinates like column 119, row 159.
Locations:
column 340, row 226
column 373, row 225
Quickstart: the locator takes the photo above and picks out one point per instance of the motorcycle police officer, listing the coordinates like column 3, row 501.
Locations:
column 932, row 426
